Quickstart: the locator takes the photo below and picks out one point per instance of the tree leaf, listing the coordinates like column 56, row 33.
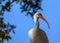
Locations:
column 13, row 31
column 1, row 13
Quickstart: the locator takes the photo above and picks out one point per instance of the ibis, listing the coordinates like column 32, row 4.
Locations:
column 36, row 34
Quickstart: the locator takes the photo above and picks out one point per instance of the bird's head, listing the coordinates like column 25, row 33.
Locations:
column 38, row 15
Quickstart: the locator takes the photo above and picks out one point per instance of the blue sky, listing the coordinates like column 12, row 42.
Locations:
column 23, row 23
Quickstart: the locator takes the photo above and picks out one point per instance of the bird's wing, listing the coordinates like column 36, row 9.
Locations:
column 43, row 36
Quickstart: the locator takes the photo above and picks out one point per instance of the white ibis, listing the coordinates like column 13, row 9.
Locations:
column 36, row 35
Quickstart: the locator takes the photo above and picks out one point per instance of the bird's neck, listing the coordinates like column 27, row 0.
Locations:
column 37, row 24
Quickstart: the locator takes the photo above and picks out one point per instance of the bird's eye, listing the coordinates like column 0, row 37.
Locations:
column 38, row 15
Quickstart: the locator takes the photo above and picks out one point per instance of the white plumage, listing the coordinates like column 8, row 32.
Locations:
column 36, row 35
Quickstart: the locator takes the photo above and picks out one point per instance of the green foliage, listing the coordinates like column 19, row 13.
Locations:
column 28, row 5
column 1, row 13
column 5, row 30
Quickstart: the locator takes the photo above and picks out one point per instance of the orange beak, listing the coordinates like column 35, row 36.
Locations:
column 40, row 16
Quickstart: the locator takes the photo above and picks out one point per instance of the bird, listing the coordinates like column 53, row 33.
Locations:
column 36, row 34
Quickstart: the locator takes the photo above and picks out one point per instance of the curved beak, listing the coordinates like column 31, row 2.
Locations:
column 40, row 16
